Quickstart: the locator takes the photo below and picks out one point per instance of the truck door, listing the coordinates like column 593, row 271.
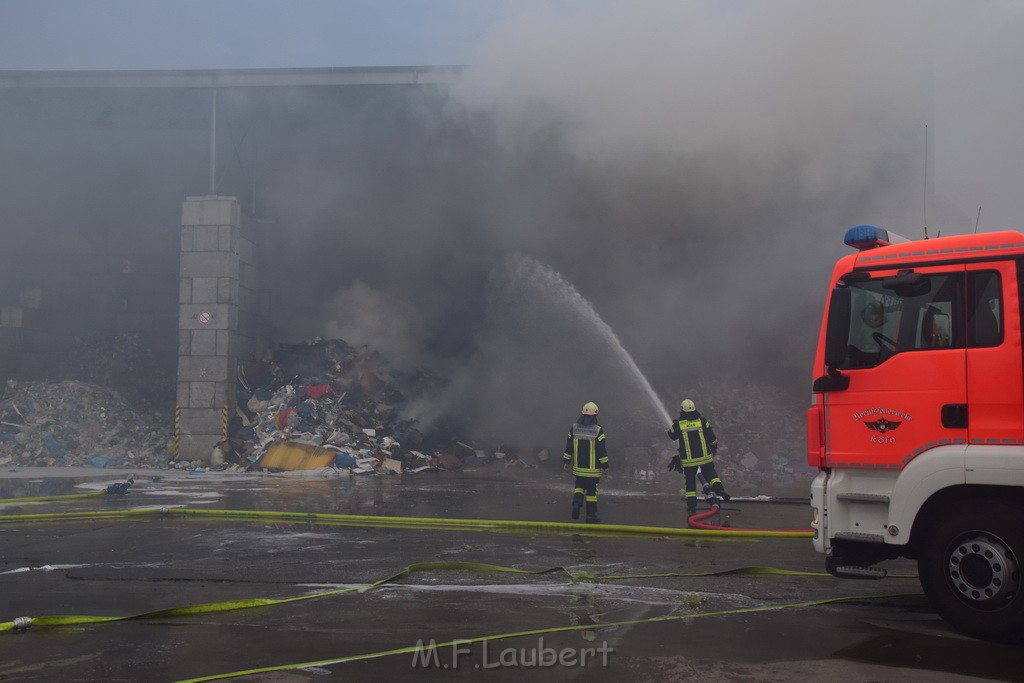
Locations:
column 907, row 369
column 995, row 394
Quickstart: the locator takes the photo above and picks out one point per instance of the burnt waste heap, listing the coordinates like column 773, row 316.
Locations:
column 319, row 405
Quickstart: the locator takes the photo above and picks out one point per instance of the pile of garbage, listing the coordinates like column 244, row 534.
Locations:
column 326, row 405
column 319, row 404
column 74, row 423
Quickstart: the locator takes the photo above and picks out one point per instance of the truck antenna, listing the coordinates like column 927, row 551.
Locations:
column 977, row 220
column 924, row 195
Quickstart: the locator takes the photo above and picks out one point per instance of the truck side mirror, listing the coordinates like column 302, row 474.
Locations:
column 837, row 332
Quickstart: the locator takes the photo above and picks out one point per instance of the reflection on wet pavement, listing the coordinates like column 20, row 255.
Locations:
column 134, row 565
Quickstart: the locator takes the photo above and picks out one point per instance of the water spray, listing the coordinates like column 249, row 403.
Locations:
column 529, row 270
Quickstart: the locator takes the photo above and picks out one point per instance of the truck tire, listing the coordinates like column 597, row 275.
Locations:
column 971, row 568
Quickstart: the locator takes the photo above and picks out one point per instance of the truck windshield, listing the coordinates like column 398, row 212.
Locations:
column 884, row 323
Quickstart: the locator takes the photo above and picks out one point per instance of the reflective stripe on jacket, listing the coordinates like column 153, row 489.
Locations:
column 697, row 441
column 585, row 449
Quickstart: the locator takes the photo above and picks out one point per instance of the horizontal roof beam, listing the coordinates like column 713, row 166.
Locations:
column 232, row 78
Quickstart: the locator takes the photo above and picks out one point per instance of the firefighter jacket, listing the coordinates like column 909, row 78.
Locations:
column 697, row 440
column 585, row 448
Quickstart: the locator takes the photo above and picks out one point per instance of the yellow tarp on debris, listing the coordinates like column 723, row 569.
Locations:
column 286, row 455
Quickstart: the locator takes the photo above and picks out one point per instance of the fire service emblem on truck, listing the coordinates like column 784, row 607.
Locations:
column 877, row 420
column 882, row 425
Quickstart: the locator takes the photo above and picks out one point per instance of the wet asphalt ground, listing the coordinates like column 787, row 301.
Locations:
column 122, row 566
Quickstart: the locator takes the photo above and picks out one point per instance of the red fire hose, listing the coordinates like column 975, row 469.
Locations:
column 694, row 522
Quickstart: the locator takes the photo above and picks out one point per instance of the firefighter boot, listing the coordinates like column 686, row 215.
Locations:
column 720, row 490
column 577, row 503
column 691, row 508
column 592, row 517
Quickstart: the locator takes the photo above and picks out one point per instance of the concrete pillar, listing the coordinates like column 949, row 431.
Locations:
column 219, row 318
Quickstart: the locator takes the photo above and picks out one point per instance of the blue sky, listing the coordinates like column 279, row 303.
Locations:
column 200, row 34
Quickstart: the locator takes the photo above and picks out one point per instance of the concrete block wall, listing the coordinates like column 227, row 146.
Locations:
column 219, row 319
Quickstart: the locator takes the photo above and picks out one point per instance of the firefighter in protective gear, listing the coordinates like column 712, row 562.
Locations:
column 697, row 448
column 587, row 456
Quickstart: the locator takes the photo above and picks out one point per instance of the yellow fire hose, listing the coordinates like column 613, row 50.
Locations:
column 23, row 623
column 431, row 522
column 557, row 629
column 36, row 499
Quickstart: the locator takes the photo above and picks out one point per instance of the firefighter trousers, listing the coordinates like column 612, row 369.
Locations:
column 585, row 490
column 690, row 479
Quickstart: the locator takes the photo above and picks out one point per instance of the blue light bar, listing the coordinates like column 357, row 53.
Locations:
column 863, row 237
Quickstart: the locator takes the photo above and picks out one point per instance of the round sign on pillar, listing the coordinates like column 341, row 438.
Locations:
column 205, row 317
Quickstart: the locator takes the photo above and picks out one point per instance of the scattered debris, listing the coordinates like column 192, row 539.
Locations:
column 325, row 405
column 332, row 408
column 73, row 423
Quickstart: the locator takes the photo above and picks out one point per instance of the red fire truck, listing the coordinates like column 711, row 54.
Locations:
column 917, row 421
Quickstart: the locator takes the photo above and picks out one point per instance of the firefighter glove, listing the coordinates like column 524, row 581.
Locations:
column 673, row 464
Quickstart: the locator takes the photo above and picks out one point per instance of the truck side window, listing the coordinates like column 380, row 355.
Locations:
column 984, row 309
column 884, row 323
column 938, row 324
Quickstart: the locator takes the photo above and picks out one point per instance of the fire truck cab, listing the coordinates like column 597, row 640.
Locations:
column 917, row 421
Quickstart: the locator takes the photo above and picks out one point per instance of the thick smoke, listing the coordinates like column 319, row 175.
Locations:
column 690, row 170
column 687, row 168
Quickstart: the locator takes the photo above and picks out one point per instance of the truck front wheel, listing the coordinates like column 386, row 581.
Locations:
column 971, row 568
